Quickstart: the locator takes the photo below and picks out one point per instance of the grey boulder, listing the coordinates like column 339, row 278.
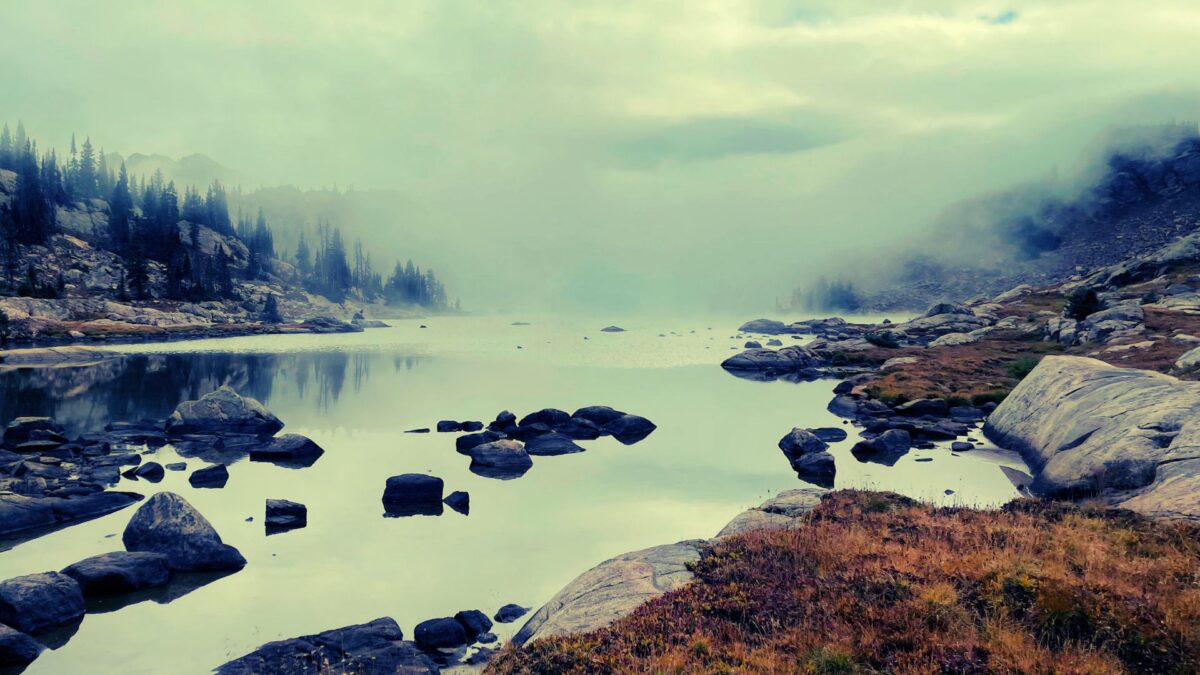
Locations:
column 222, row 411
column 35, row 602
column 168, row 524
column 120, row 572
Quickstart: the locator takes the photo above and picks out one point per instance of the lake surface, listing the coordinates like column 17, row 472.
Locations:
column 714, row 454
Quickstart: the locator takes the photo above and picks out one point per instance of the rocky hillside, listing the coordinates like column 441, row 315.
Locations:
column 1139, row 198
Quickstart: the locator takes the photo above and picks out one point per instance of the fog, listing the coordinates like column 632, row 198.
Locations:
column 617, row 156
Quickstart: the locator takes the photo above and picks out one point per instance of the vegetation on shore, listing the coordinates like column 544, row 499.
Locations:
column 875, row 582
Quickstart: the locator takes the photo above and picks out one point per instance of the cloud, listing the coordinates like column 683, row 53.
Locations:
column 1001, row 19
column 722, row 137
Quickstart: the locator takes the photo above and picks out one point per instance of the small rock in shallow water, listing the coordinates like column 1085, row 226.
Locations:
column 960, row 446
column 474, row 622
column 447, row 426
column 17, row 649
column 285, row 515
column 120, row 572
column 177, row 466
column 459, row 501
column 629, row 429
column 289, row 450
column 210, row 477
column 442, row 633
column 412, row 494
column 422, row 430
column 151, row 471
column 510, row 612
column 611, row 329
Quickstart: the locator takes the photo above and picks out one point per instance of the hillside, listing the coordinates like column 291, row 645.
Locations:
column 1142, row 192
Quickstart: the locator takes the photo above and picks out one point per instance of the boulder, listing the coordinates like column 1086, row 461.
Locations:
column 550, row 445
column 510, row 612
column 1086, row 427
column 752, row 344
column 413, row 494
column 945, row 308
column 765, row 326
column 1189, row 361
column 375, row 647
column 120, row 572
column 464, row 443
column 954, row 340
column 215, row 476
column 579, row 429
column 781, row 511
column 629, row 429
column 168, row 524
column 786, row 360
column 474, row 622
column 801, row 442
column 818, row 468
column 222, row 411
column 288, row 450
column 284, row 515
column 471, row 425
column 16, row 648
column 503, row 455
column 151, row 471
column 551, row 417
column 924, row 406
column 443, row 633
column 885, row 448
column 611, row 590
column 447, row 426
column 25, row 429
column 597, row 414
column 35, row 602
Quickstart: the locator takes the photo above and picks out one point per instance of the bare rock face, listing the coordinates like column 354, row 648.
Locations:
column 1089, row 428
column 168, row 524
column 612, row 590
column 223, row 411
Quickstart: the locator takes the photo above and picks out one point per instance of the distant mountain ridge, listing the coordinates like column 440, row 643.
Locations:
column 195, row 169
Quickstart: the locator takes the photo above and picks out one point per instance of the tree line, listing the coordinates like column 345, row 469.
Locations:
column 149, row 220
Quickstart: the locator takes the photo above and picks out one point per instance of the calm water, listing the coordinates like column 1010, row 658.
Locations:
column 713, row 455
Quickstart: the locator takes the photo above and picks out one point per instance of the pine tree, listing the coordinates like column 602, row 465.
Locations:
column 7, row 150
column 271, row 310
column 138, row 272
column 303, row 257
column 86, row 182
column 120, row 213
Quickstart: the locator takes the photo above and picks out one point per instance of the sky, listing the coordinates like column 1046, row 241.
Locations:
column 613, row 156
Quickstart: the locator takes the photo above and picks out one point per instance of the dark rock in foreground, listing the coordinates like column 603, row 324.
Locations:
column 510, row 612
column 377, row 647
column 210, row 477
column 120, row 572
column 285, row 515
column 16, row 648
column 222, row 412
column 35, row 602
column 168, row 524
column 413, row 494
column 443, row 633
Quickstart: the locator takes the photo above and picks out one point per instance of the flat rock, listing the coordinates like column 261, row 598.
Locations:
column 222, row 411
column 168, row 524
column 376, row 648
column 120, row 572
column 288, row 450
column 22, row 512
column 1086, row 427
column 550, row 445
column 611, row 590
column 35, row 602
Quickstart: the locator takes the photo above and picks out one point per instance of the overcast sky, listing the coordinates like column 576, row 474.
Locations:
column 612, row 154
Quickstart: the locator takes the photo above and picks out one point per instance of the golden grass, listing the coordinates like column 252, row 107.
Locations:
column 878, row 583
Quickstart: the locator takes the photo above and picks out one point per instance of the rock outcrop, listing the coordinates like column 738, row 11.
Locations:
column 1089, row 428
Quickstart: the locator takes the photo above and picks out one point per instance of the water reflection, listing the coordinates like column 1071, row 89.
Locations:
column 151, row 385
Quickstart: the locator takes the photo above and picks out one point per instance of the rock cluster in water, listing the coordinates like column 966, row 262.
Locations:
column 165, row 536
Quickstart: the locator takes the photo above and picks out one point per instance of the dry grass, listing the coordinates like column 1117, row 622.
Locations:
column 877, row 583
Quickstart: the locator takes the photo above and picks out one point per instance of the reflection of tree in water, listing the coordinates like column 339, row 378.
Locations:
column 145, row 386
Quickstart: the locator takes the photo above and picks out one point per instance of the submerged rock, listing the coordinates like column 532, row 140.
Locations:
column 375, row 647
column 168, row 524
column 551, row 444
column 222, row 412
column 120, row 572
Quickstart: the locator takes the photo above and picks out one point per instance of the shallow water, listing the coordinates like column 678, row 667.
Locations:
column 713, row 455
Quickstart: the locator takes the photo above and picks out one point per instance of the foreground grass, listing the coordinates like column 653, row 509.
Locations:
column 878, row 583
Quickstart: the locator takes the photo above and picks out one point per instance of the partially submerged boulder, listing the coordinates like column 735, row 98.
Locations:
column 282, row 514
column 500, row 459
column 223, row 411
column 16, row 648
column 1089, row 428
column 612, row 590
column 168, row 524
column 413, row 494
column 35, row 602
column 291, row 450
column 120, row 572
column 375, row 647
